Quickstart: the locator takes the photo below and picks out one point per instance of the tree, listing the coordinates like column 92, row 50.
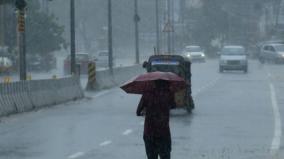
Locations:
column 43, row 34
column 230, row 21
column 207, row 23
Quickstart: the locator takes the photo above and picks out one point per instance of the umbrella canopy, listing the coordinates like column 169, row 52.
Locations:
column 145, row 82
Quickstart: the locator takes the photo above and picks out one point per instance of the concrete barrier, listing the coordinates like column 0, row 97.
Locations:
column 24, row 96
column 7, row 104
column 104, row 79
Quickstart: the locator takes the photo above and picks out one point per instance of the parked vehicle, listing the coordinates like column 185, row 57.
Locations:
column 102, row 58
column 194, row 53
column 6, row 65
column 178, row 65
column 273, row 53
column 7, row 61
column 233, row 58
column 82, row 61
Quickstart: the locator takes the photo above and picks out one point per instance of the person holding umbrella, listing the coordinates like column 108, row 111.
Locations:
column 157, row 105
column 157, row 89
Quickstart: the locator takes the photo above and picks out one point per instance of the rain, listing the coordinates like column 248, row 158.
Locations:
column 124, row 79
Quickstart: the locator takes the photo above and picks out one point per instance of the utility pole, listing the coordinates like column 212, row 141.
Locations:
column 136, row 21
column 169, row 23
column 110, row 49
column 21, row 7
column 157, row 27
column 73, row 37
column 2, row 26
column 182, row 14
column 277, row 10
column 173, row 26
column 267, row 24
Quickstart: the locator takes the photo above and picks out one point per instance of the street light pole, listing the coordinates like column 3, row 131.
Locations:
column 169, row 23
column 72, row 36
column 110, row 49
column 182, row 5
column 2, row 26
column 136, row 21
column 157, row 27
column 277, row 12
column 173, row 26
column 21, row 7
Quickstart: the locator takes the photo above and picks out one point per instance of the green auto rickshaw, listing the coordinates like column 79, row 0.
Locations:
column 178, row 65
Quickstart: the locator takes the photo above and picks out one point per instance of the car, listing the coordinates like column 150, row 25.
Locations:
column 273, row 53
column 102, row 59
column 233, row 58
column 6, row 65
column 194, row 53
column 82, row 61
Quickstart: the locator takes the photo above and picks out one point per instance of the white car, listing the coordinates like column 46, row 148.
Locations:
column 194, row 53
column 272, row 53
column 5, row 64
column 233, row 58
column 102, row 58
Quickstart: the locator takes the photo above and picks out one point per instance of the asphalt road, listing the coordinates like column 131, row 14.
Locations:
column 237, row 116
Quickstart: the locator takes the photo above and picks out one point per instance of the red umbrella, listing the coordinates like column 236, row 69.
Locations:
column 145, row 82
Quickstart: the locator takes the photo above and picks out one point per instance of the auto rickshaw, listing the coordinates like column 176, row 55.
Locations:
column 178, row 65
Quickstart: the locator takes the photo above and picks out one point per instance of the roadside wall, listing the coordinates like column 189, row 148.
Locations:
column 24, row 96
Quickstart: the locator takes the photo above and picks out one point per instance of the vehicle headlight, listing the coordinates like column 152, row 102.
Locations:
column 203, row 55
column 188, row 55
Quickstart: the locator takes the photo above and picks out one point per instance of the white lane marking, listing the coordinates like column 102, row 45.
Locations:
column 127, row 132
column 76, row 155
column 211, row 84
column 105, row 143
column 276, row 142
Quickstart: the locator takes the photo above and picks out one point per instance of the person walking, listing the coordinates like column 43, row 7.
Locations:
column 156, row 105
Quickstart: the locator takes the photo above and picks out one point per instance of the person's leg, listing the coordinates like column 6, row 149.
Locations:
column 165, row 147
column 150, row 147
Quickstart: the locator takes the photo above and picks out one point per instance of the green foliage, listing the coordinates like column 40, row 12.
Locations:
column 230, row 21
column 43, row 34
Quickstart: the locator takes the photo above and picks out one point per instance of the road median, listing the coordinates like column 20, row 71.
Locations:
column 24, row 96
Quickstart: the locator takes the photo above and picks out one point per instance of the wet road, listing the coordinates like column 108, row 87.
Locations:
column 237, row 116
